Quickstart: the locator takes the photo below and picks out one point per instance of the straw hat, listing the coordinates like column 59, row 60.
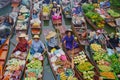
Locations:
column 50, row 34
column 69, row 30
column 22, row 35
column 54, row 1
column 58, row 5
column 36, row 37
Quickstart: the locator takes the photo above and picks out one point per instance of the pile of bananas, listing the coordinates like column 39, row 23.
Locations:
column 96, row 47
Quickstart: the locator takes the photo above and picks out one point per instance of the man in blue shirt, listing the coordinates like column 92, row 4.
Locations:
column 37, row 45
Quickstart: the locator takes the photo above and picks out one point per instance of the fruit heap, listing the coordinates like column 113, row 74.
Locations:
column 103, row 61
column 115, row 63
column 96, row 18
column 14, row 68
column 80, row 58
column 84, row 66
column 87, row 7
column 46, row 10
column 109, row 75
column 113, row 13
column 96, row 47
column 34, row 69
column 88, row 75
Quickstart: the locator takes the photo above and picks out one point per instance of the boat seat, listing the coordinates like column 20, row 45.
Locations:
column 76, row 51
column 3, row 55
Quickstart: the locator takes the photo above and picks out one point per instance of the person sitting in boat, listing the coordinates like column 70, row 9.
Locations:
column 97, row 37
column 37, row 45
column 54, row 4
column 105, row 4
column 69, row 40
column 56, row 15
column 35, row 14
column 52, row 42
column 78, row 9
column 37, row 4
column 22, row 43
column 8, row 21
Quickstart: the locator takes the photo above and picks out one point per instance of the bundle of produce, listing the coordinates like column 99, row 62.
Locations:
column 34, row 69
column 80, row 59
column 103, row 61
column 87, row 7
column 115, row 3
column 96, row 47
column 115, row 63
column 85, row 67
column 113, row 13
column 108, row 75
column 96, row 18
column 88, row 75
column 46, row 10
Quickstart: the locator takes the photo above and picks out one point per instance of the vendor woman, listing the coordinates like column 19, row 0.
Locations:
column 52, row 42
column 22, row 43
column 78, row 9
column 37, row 45
column 69, row 40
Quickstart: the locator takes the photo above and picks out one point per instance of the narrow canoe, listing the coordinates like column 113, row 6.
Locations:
column 53, row 64
column 108, row 19
column 4, row 48
column 36, row 27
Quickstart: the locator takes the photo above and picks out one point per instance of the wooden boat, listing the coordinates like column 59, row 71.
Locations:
column 36, row 26
column 46, row 8
column 76, row 51
column 34, row 67
column 108, row 19
column 66, row 7
column 4, row 3
column 5, row 46
column 15, row 3
column 15, row 66
column 81, row 31
column 57, row 19
column 35, row 71
column 23, row 19
column 57, row 69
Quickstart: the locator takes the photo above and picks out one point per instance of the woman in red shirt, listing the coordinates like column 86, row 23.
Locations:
column 22, row 44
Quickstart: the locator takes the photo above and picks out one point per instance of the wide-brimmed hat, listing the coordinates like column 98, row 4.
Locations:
column 54, row 1
column 22, row 35
column 58, row 5
column 36, row 37
column 50, row 34
column 69, row 30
